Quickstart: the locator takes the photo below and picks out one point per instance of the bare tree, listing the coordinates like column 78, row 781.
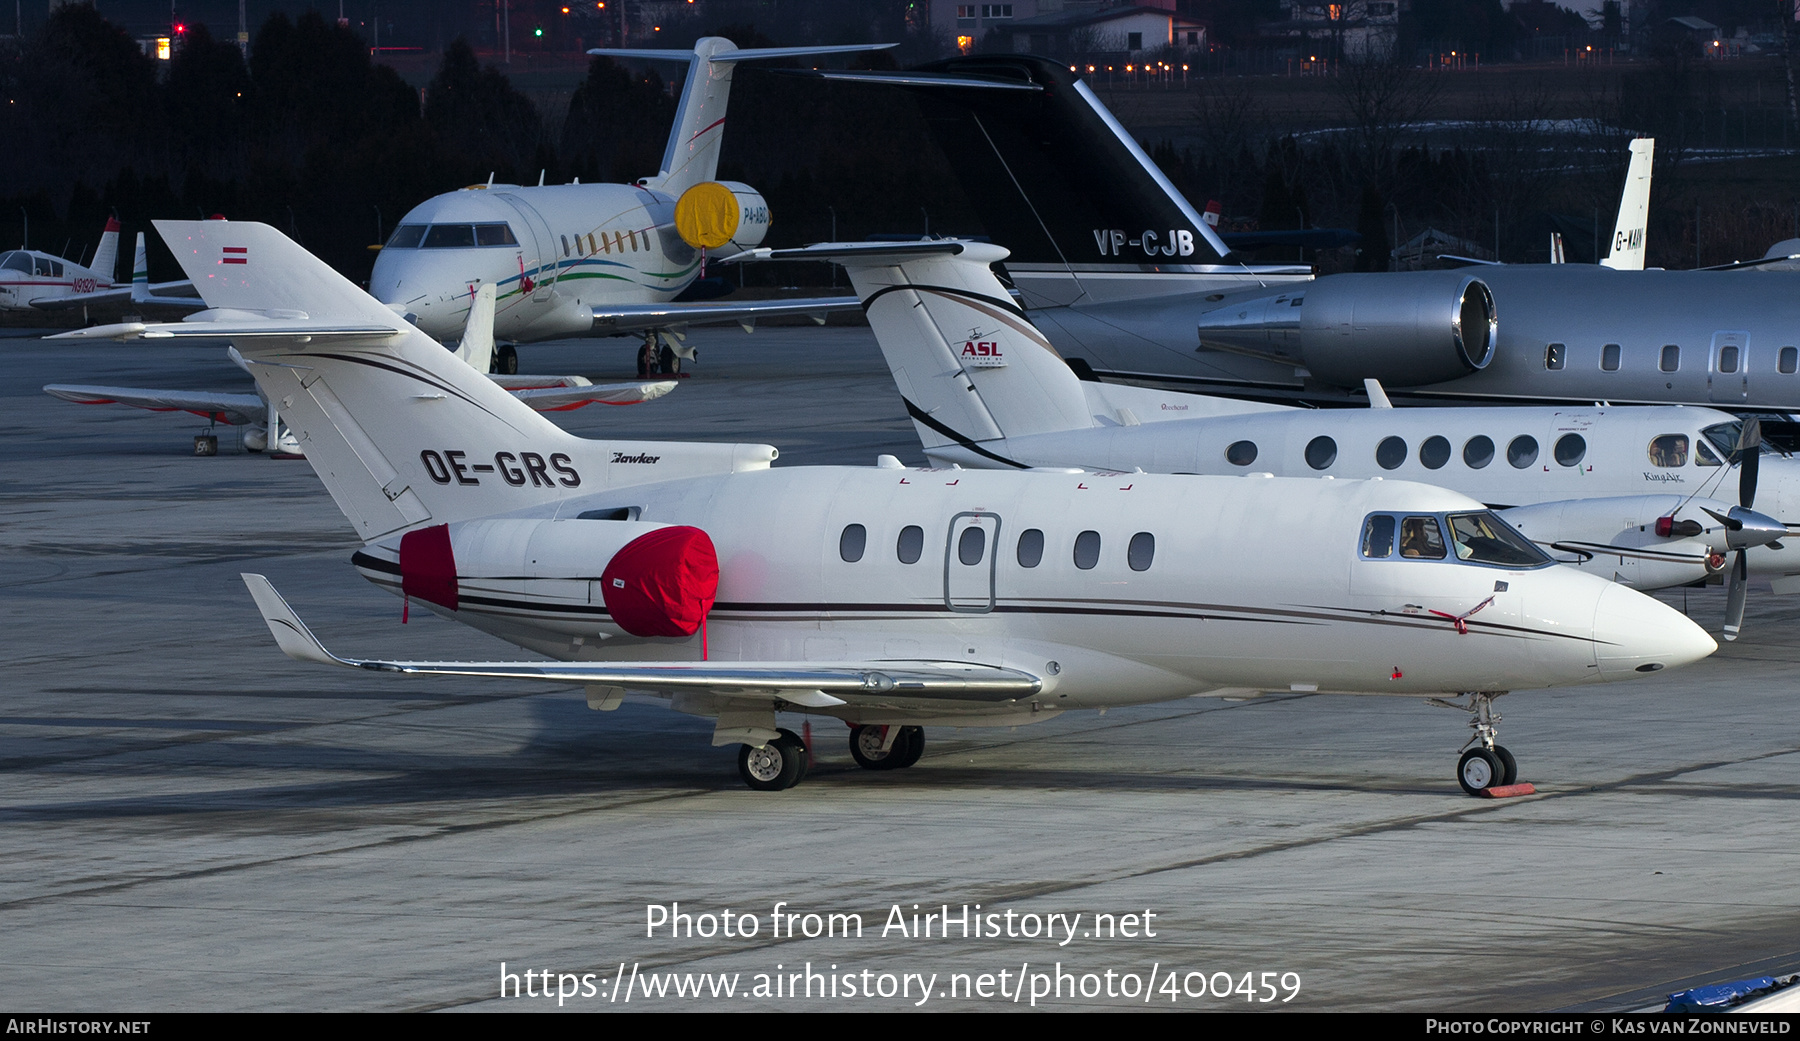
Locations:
column 1382, row 96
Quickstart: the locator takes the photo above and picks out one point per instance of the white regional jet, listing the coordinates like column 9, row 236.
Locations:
column 597, row 259
column 259, row 416
column 1635, row 494
column 698, row 573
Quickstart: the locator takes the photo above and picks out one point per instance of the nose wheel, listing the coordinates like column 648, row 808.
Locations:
column 1486, row 764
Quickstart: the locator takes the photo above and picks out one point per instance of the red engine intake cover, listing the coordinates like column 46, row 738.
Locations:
column 427, row 567
column 662, row 583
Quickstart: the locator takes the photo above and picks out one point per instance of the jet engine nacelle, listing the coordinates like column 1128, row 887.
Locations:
column 753, row 218
column 1405, row 329
column 651, row 579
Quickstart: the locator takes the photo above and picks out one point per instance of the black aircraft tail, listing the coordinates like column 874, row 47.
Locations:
column 1055, row 177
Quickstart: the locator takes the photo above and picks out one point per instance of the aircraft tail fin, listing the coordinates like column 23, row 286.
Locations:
column 106, row 255
column 1627, row 253
column 1053, row 173
column 971, row 367
column 692, row 154
column 477, row 347
column 402, row 433
column 140, row 272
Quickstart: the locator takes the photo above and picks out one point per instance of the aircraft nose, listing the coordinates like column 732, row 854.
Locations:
column 1635, row 634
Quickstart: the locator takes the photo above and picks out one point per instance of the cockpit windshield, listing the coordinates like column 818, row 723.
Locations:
column 1482, row 538
column 1724, row 436
column 451, row 236
column 17, row 261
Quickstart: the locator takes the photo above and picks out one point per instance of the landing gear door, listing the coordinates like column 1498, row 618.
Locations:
column 1728, row 369
column 971, row 556
column 537, row 249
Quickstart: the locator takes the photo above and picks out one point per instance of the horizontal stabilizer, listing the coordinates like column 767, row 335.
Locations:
column 887, row 680
column 736, row 54
column 561, row 399
column 286, row 329
column 232, row 409
column 628, row 317
column 945, row 80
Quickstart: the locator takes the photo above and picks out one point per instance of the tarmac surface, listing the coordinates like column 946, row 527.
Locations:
column 191, row 821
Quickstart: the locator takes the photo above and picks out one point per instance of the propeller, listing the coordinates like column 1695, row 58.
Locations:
column 1748, row 455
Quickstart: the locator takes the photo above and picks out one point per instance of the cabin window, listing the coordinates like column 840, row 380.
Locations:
column 1378, row 537
column 1789, row 360
column 494, row 235
column 1321, row 452
column 1435, row 452
column 1671, row 358
column 1478, row 451
column 1522, row 452
column 1669, row 450
column 1141, row 551
column 565, row 242
column 1609, row 357
column 910, row 546
column 1554, row 356
column 1390, row 453
column 852, row 542
column 1703, row 456
column 971, row 545
column 1241, row 453
column 1031, row 547
column 1087, row 550
column 449, row 236
column 1482, row 538
column 407, row 236
column 1728, row 358
column 1421, row 538
column 1570, row 449
column 48, row 268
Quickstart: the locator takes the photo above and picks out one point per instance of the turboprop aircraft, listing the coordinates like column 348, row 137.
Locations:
column 1118, row 270
column 259, row 416
column 1633, row 494
column 698, row 573
column 39, row 281
column 597, row 259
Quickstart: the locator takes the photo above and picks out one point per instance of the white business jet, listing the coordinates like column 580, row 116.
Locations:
column 258, row 416
column 1636, row 494
column 597, row 259
column 887, row 597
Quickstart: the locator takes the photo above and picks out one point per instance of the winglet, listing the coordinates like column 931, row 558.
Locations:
column 295, row 639
column 1377, row 396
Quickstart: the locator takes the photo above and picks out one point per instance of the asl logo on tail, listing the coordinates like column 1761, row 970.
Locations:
column 983, row 354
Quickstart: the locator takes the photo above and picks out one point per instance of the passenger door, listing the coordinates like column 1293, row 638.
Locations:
column 971, row 555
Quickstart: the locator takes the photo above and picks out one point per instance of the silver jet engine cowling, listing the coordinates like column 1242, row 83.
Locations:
column 1407, row 329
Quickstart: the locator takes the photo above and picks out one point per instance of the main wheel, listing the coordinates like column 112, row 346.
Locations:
column 865, row 747
column 1479, row 770
column 506, row 360
column 1509, row 767
column 914, row 739
column 667, row 361
column 800, row 753
column 772, row 767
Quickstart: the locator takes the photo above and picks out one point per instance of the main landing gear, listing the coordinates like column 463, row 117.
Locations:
column 886, row 747
column 782, row 763
column 1486, row 765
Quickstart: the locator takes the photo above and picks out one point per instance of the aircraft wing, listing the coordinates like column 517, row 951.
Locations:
column 809, row 683
column 232, row 409
column 620, row 318
column 122, row 300
column 566, row 397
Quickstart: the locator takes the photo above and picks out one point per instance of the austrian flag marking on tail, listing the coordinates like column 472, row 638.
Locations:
column 235, row 255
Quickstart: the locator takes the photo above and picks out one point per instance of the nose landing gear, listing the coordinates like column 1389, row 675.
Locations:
column 1487, row 764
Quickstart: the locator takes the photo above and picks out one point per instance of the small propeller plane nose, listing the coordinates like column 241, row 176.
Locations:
column 1634, row 633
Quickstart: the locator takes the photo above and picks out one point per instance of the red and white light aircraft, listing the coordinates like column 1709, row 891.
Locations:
column 30, row 280
column 886, row 597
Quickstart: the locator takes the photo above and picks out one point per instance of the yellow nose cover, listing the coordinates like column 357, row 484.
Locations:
column 706, row 215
